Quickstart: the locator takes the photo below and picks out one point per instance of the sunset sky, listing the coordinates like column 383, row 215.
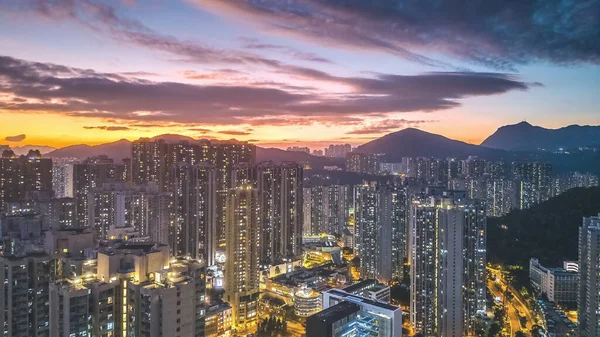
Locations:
column 293, row 72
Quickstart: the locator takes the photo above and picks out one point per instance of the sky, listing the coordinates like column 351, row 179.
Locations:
column 294, row 72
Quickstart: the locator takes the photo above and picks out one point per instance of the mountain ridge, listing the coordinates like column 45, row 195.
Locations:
column 413, row 142
column 524, row 136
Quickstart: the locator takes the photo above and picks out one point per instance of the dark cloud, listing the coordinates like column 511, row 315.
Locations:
column 16, row 138
column 107, row 128
column 235, row 133
column 497, row 33
column 388, row 125
column 84, row 93
column 201, row 130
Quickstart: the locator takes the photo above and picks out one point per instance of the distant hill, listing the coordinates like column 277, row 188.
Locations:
column 417, row 143
column 526, row 137
column 23, row 150
column 548, row 231
column 115, row 150
column 122, row 149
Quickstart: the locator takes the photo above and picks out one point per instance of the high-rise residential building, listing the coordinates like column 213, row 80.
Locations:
column 363, row 163
column 571, row 180
column 152, row 159
column 307, row 224
column 474, row 167
column 148, row 162
column 23, row 174
column 298, row 149
column 588, row 301
column 62, row 177
column 195, row 193
column 535, row 183
column 280, row 199
column 243, row 254
column 338, row 150
column 390, row 168
column 24, row 295
column 447, row 259
column 60, row 212
column 70, row 313
column 170, row 304
column 318, row 153
column 155, row 295
column 326, row 209
column 80, row 304
column 501, row 196
column 380, row 225
column 88, row 175
column 226, row 155
column 142, row 209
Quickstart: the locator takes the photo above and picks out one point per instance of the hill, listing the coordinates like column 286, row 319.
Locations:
column 526, row 137
column 417, row 143
column 548, row 231
column 115, row 150
column 23, row 150
column 122, row 149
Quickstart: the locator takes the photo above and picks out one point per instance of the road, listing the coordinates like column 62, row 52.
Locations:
column 513, row 318
column 515, row 305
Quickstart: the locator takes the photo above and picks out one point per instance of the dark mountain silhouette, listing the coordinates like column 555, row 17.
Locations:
column 23, row 150
column 122, row 149
column 417, row 143
column 527, row 137
column 115, row 150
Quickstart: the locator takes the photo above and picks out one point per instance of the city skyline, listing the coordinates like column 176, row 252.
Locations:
column 265, row 72
column 299, row 168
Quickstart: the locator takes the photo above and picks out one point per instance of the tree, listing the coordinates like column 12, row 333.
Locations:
column 523, row 321
column 520, row 334
column 494, row 330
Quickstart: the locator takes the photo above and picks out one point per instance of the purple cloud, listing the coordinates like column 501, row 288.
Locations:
column 84, row 93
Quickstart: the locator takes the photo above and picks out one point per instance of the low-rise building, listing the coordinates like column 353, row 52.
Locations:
column 218, row 320
column 345, row 314
column 371, row 289
column 558, row 284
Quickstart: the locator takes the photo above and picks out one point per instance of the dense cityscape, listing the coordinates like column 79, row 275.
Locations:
column 299, row 168
column 195, row 238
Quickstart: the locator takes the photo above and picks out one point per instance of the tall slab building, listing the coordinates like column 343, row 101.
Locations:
column 447, row 260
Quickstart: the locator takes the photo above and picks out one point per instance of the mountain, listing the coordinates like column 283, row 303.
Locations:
column 548, row 231
column 417, row 143
column 116, row 150
column 122, row 149
column 23, row 150
column 527, row 137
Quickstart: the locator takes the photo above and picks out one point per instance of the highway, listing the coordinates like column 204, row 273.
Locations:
column 513, row 318
column 515, row 305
